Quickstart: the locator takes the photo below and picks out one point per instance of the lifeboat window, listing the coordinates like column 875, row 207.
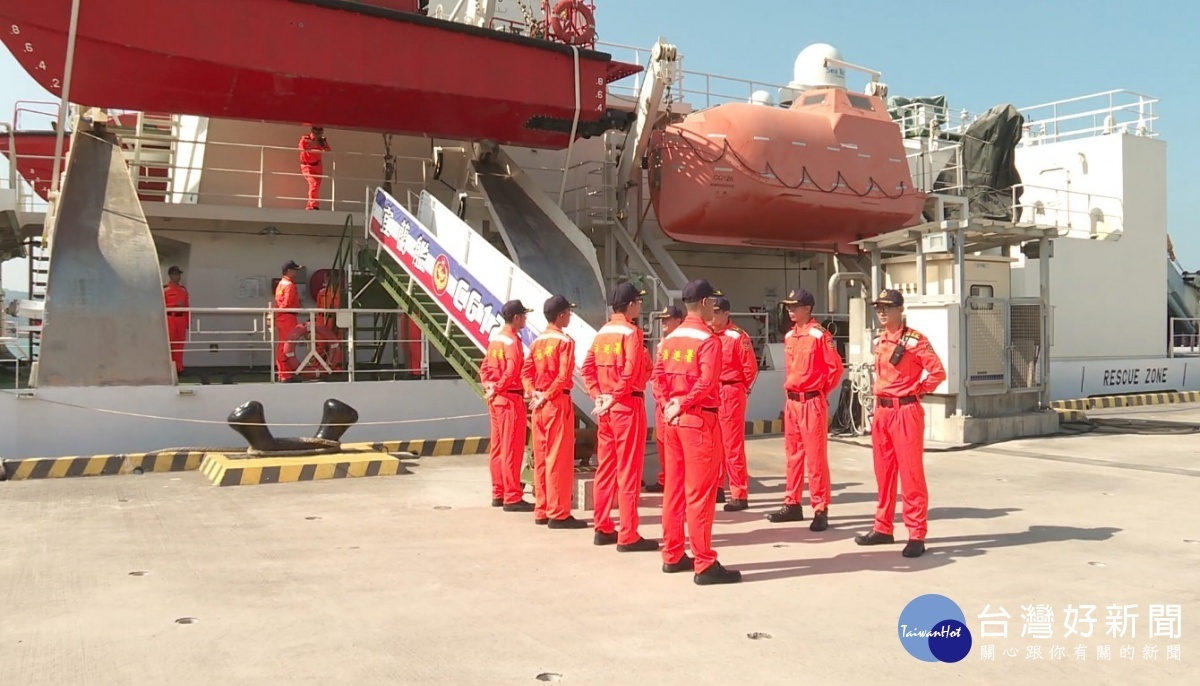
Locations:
column 860, row 102
column 814, row 99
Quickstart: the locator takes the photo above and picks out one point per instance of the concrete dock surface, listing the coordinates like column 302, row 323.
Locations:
column 415, row 579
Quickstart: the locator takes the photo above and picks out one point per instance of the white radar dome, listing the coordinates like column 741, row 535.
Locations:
column 762, row 98
column 811, row 72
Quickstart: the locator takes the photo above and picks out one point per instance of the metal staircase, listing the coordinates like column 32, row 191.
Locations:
column 39, row 270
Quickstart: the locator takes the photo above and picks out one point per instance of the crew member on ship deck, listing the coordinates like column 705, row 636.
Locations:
column 739, row 369
column 311, row 147
column 287, row 297
column 175, row 295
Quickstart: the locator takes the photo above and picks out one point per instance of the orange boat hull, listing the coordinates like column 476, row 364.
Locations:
column 814, row 177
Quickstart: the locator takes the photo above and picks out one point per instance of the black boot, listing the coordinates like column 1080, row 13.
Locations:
column 605, row 539
column 567, row 522
column 914, row 549
column 654, row 488
column 716, row 574
column 720, row 495
column 820, row 521
column 787, row 513
column 336, row 418
column 737, row 505
column 685, row 564
column 642, row 545
column 874, row 538
column 519, row 506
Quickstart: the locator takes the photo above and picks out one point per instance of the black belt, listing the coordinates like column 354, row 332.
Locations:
column 709, row 409
column 564, row 392
column 888, row 402
column 511, row 392
column 731, row 383
column 177, row 314
column 638, row 394
column 807, row 395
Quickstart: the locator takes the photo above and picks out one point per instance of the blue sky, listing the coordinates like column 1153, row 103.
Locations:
column 979, row 54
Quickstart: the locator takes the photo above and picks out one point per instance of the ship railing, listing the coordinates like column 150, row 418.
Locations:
column 1184, row 337
column 243, row 341
column 921, row 120
column 262, row 176
column 1098, row 114
column 1075, row 214
column 938, row 167
column 697, row 89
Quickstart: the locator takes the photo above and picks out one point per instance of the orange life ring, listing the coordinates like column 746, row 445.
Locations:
column 573, row 23
column 333, row 352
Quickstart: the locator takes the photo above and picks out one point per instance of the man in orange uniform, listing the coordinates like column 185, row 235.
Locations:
column 686, row 373
column 287, row 297
column 813, row 369
column 614, row 377
column 548, row 376
column 329, row 298
column 500, row 374
column 906, row 368
column 739, row 369
column 671, row 318
column 178, row 323
column 311, row 147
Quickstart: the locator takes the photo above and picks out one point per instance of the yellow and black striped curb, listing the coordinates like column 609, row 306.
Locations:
column 102, row 465
column 764, row 427
column 223, row 470
column 57, row 467
column 1109, row 402
column 433, row 447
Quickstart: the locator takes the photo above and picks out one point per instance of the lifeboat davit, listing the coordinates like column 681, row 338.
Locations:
column 828, row 170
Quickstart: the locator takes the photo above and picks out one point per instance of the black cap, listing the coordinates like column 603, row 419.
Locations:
column 670, row 312
column 721, row 303
column 174, row 270
column 290, row 264
column 889, row 297
column 512, row 308
column 624, row 294
column 555, row 306
column 699, row 289
column 800, row 297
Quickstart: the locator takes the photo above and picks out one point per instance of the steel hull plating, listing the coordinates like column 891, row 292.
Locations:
column 812, row 177
column 342, row 64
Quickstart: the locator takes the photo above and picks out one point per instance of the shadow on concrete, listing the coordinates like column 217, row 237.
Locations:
column 840, row 528
column 939, row 552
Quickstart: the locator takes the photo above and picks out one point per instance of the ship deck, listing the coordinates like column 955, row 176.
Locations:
column 415, row 579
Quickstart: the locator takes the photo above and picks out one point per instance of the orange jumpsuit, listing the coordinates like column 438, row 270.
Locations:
column 502, row 367
column 286, row 298
column 898, row 428
column 614, row 366
column 311, row 167
column 688, row 367
column 549, row 368
column 814, row 369
column 328, row 298
column 177, row 322
column 739, row 369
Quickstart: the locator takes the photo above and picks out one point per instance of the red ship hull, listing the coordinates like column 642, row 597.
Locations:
column 811, row 178
column 32, row 152
column 334, row 62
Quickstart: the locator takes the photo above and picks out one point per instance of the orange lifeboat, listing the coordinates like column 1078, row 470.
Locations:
column 828, row 170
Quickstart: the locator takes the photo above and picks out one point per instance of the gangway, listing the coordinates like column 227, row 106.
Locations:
column 453, row 283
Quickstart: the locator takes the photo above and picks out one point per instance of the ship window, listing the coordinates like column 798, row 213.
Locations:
column 814, row 99
column 860, row 102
